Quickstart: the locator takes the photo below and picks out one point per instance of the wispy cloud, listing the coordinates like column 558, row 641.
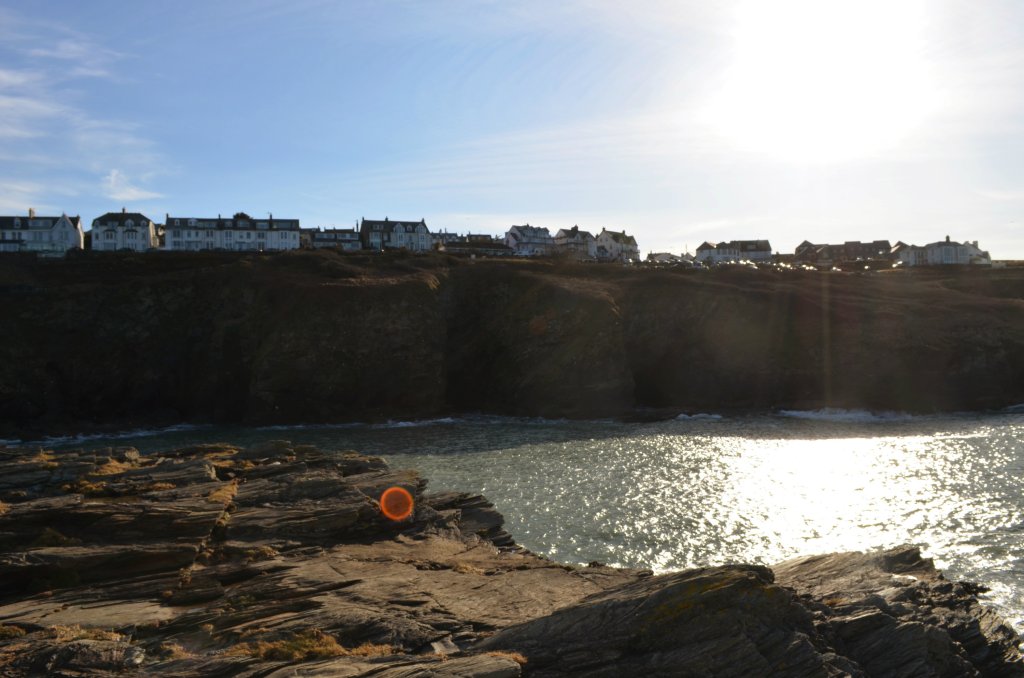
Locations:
column 61, row 146
column 118, row 187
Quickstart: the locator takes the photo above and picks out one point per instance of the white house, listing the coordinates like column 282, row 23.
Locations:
column 395, row 235
column 48, row 236
column 123, row 231
column 576, row 244
column 346, row 239
column 529, row 241
column 240, row 233
column 734, row 250
column 942, row 253
column 617, row 246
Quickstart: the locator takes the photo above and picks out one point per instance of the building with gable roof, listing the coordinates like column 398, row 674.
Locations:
column 734, row 250
column 851, row 250
column 576, row 244
column 942, row 253
column 47, row 236
column 240, row 233
column 529, row 241
column 123, row 231
column 345, row 239
column 395, row 235
column 617, row 246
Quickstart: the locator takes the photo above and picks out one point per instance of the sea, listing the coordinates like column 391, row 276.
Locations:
column 705, row 489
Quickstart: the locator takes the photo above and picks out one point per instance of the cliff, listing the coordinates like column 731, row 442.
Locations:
column 122, row 339
column 276, row 560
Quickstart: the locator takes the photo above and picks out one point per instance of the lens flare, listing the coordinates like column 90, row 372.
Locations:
column 396, row 503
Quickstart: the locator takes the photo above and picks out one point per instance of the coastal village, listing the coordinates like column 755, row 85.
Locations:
column 55, row 236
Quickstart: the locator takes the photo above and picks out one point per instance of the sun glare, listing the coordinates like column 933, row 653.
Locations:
column 825, row 80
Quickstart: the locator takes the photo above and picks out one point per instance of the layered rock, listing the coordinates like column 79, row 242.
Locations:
column 276, row 560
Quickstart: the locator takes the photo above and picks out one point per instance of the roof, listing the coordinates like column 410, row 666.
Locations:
column 619, row 237
column 241, row 221
column 120, row 218
column 574, row 232
column 387, row 225
column 741, row 245
column 36, row 222
column 531, row 231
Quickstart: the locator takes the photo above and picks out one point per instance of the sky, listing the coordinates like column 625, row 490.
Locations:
column 678, row 121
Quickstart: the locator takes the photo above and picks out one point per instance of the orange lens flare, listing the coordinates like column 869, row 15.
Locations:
column 396, row 503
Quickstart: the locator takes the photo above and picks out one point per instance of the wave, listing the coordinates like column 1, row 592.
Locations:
column 845, row 416
column 702, row 416
column 1014, row 409
column 418, row 423
column 60, row 441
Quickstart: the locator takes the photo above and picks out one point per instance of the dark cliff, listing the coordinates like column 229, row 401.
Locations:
column 316, row 336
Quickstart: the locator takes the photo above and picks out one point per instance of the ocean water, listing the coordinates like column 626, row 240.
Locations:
column 711, row 489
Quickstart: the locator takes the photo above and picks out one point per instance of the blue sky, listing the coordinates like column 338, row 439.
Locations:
column 676, row 121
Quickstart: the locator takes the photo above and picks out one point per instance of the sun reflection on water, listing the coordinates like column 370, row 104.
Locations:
column 687, row 493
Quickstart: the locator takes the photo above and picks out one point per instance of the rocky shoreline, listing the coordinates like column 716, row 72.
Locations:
column 276, row 560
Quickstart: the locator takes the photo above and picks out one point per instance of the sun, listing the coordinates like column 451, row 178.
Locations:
column 825, row 80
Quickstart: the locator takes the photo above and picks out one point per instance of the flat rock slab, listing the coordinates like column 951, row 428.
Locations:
column 276, row 561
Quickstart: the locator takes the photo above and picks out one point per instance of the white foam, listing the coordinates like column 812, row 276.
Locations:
column 54, row 441
column 840, row 415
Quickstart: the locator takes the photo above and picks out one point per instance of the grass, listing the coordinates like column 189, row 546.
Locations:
column 86, row 487
column 307, row 644
column 157, row 487
column 465, row 568
column 3, row 508
column 514, row 656
column 175, row 651
column 65, row 634
column 111, row 467
column 8, row 632
column 223, row 494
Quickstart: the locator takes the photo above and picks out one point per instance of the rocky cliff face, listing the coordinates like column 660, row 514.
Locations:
column 276, row 560
column 316, row 336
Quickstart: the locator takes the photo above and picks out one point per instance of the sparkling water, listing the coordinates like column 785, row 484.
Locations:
column 714, row 489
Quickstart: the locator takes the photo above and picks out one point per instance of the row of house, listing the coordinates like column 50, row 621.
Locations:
column 118, row 231
column 852, row 251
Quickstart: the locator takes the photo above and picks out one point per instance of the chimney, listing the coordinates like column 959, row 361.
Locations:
column 947, row 238
column 123, row 210
column 31, row 213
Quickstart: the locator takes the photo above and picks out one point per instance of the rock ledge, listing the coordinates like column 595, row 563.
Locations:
column 275, row 560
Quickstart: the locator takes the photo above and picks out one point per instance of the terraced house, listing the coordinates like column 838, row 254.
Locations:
column 240, row 233
column 48, row 236
column 123, row 230
column 395, row 235
column 734, row 250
